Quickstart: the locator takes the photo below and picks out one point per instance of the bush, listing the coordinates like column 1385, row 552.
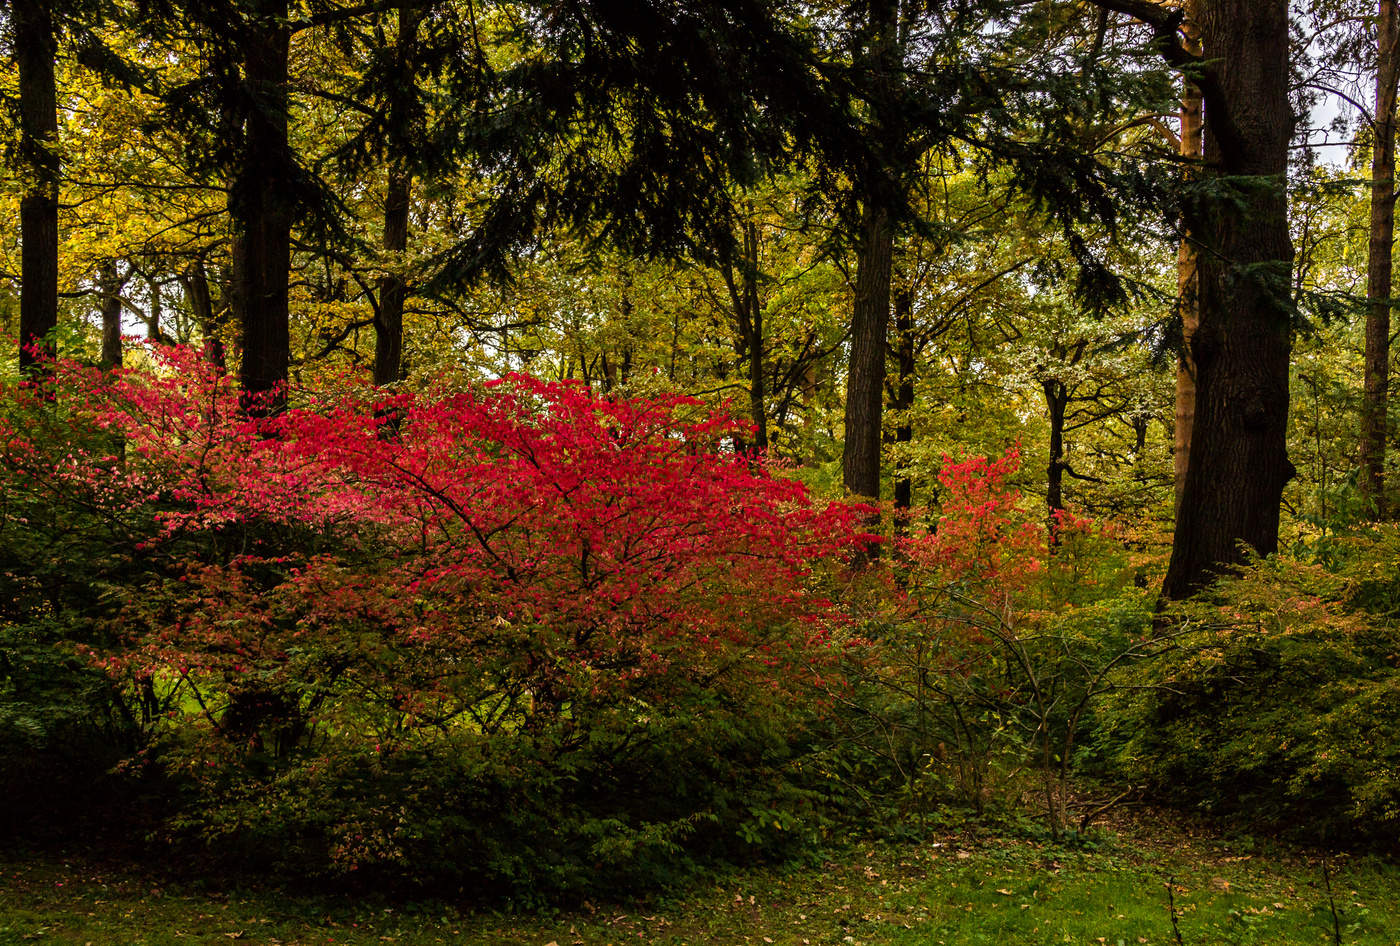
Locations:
column 517, row 638
column 1279, row 704
column 990, row 642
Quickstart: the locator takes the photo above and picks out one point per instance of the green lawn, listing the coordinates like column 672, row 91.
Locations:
column 949, row 891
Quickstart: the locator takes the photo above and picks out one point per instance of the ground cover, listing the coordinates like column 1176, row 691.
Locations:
column 954, row 890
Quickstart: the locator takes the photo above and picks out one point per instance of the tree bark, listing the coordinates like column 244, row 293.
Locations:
column 109, row 283
column 153, row 332
column 1239, row 462
column 904, row 401
column 393, row 289
column 195, row 280
column 758, row 395
column 260, row 207
column 1056, row 403
column 870, row 315
column 1379, row 261
column 865, row 382
column 35, row 46
column 1191, row 149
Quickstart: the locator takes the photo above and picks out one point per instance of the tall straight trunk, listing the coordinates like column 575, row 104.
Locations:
column 1056, row 402
column 870, row 315
column 1239, row 461
column 153, row 333
column 260, row 206
column 904, row 400
column 109, row 284
column 35, row 47
column 1192, row 149
column 758, row 395
column 1378, row 263
column 388, row 321
column 195, row 281
column 865, row 382
column 393, row 290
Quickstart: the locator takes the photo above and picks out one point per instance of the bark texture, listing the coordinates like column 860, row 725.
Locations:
column 393, row 290
column 1056, row 405
column 1191, row 147
column 1239, row 462
column 388, row 321
column 260, row 203
column 1379, row 261
column 35, row 46
column 110, row 283
column 865, row 383
column 904, row 400
column 870, row 315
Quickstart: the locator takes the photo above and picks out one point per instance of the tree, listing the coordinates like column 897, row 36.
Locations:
column 261, row 198
column 1239, row 217
column 879, row 192
column 34, row 40
column 1191, row 147
column 1379, row 258
column 388, row 319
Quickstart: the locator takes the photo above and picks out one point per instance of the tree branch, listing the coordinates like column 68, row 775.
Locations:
column 1166, row 29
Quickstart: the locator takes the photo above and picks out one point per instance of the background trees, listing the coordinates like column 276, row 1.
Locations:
column 847, row 242
column 739, row 260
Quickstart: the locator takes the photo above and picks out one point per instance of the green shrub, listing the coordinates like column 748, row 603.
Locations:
column 1278, row 703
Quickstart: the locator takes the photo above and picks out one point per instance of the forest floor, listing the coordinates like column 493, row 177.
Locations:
column 956, row 890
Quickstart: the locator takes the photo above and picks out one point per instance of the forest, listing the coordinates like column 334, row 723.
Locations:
column 809, row 471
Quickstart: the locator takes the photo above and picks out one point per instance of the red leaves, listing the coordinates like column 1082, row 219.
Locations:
column 983, row 535
column 567, row 540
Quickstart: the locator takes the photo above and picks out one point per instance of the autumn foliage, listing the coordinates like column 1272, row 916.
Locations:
column 508, row 635
column 517, row 587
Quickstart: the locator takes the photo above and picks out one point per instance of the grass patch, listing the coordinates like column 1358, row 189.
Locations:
column 947, row 891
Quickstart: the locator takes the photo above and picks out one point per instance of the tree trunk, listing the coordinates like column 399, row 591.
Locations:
column 153, row 333
column 393, row 290
column 1056, row 401
column 1192, row 149
column 388, row 321
column 865, row 382
column 260, row 207
column 1378, row 263
column 196, row 283
column 904, row 402
column 870, row 316
column 754, row 344
column 109, row 284
column 1239, row 461
column 35, row 47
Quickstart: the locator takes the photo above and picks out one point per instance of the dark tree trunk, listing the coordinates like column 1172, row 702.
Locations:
column 109, row 284
column 865, row 381
column 211, row 325
column 870, row 316
column 1239, row 461
column 1378, row 263
column 393, row 290
column 153, row 332
column 388, row 321
column 1056, row 402
column 904, row 401
column 758, row 395
column 260, row 206
column 35, row 47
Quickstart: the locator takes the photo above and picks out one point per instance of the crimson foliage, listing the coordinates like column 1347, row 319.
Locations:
column 515, row 634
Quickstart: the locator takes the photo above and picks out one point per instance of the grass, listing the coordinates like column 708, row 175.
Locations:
column 948, row 891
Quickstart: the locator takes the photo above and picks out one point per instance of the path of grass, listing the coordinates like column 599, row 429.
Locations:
column 949, row 892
